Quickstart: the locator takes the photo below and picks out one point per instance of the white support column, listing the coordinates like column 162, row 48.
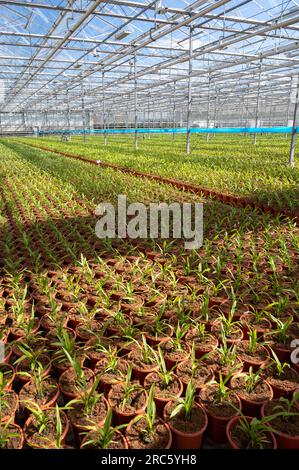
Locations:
column 208, row 110
column 258, row 101
column 104, row 107
column 68, row 111
column 135, row 102
column 83, row 112
column 189, row 108
column 174, row 109
column 294, row 131
column 215, row 108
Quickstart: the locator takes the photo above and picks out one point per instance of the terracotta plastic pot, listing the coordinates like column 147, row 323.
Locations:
column 251, row 361
column 18, row 335
column 161, row 402
column 79, row 429
column 283, row 353
column 52, row 402
column 63, row 436
column 280, row 391
column 186, row 379
column 252, row 407
column 169, row 442
column 233, row 423
column 216, row 429
column 186, row 440
column 201, row 349
column 106, row 382
column 75, row 393
column 120, row 417
column 52, row 340
column 13, row 427
column 139, row 373
column 245, row 320
column 121, row 437
column 155, row 340
column 284, row 441
column 24, row 379
column 11, row 416
column 216, row 330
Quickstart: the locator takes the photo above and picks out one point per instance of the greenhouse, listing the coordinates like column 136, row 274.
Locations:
column 149, row 242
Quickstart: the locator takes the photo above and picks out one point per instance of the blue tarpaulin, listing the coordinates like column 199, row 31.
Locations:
column 180, row 130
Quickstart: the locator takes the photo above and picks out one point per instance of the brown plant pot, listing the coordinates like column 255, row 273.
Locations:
column 251, row 407
column 201, row 348
column 121, row 417
column 13, row 406
column 24, row 378
column 237, row 338
column 121, row 442
column 67, row 383
column 247, row 322
column 50, row 402
column 134, row 431
column 5, row 368
column 16, row 443
column 159, row 400
column 142, row 370
column 80, row 425
column 283, row 352
column 216, row 429
column 233, row 423
column 252, row 361
column 29, row 434
column 207, row 375
column 155, row 340
column 284, row 440
column 184, row 439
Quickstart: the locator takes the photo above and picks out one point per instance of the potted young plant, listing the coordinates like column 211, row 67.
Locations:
column 255, row 320
column 66, row 348
column 283, row 379
column 204, row 341
column 147, row 431
column 112, row 369
column 252, row 390
column 45, row 429
column 157, row 330
column 228, row 327
column 167, row 384
column 285, row 422
column 143, row 359
column 245, row 432
column 195, row 371
column 252, row 352
column 187, row 420
column 104, row 436
column 220, row 404
column 8, row 375
column 75, row 380
column 176, row 350
column 40, row 389
column 30, row 361
column 127, row 399
column 91, row 408
column 11, row 435
column 223, row 360
column 279, row 339
column 9, row 402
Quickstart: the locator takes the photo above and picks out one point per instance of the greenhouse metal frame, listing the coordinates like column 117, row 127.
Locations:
column 149, row 64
